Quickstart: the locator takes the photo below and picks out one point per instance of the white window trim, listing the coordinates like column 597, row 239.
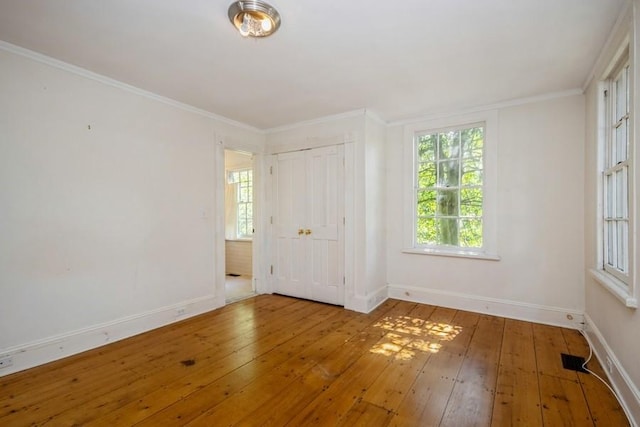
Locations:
column 624, row 292
column 615, row 286
column 490, row 156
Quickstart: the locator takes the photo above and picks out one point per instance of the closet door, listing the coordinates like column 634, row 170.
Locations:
column 309, row 224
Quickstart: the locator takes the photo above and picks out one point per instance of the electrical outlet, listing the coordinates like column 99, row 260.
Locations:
column 609, row 365
column 181, row 311
column 6, row 361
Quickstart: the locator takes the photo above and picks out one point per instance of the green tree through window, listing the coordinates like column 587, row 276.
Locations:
column 449, row 187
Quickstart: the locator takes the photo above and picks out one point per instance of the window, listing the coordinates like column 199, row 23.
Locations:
column 450, row 207
column 448, row 187
column 615, row 175
column 243, row 180
column 615, row 188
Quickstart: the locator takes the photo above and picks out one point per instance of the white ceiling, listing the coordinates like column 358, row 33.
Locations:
column 399, row 59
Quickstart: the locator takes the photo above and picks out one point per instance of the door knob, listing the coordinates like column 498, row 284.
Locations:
column 300, row 231
column 307, row 231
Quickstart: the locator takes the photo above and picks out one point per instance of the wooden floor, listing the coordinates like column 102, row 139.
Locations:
column 272, row 360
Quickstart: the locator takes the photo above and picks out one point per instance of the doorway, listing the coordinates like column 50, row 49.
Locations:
column 238, row 225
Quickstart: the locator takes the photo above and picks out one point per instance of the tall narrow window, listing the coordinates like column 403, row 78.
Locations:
column 451, row 178
column 243, row 179
column 616, row 175
column 449, row 187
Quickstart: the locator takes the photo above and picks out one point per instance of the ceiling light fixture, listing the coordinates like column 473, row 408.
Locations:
column 254, row 18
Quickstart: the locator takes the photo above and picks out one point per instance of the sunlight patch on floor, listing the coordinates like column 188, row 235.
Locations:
column 406, row 335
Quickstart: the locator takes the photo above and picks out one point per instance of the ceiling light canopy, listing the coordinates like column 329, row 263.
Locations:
column 254, row 18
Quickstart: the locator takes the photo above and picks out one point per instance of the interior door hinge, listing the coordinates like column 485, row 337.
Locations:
column 272, row 270
column 344, row 280
column 344, row 221
column 270, row 170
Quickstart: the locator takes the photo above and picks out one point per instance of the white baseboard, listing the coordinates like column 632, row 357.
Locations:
column 497, row 307
column 57, row 347
column 366, row 304
column 627, row 392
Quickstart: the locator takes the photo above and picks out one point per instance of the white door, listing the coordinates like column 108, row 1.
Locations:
column 308, row 224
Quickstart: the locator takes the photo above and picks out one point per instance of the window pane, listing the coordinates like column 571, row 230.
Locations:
column 472, row 171
column 449, row 143
column 610, row 232
column 447, row 231
column 426, row 203
column 427, row 148
column 471, row 233
column 426, row 231
column 608, row 208
column 472, row 142
column 621, row 249
column 447, row 203
column 621, row 96
column 427, row 175
column 621, row 142
column 471, row 202
column 449, row 173
column 620, row 194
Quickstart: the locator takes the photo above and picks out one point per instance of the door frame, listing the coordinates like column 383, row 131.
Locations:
column 349, row 142
column 258, row 254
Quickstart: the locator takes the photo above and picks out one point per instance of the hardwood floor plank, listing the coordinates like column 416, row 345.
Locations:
column 302, row 355
column 471, row 400
column 308, row 362
column 281, row 408
column 216, row 379
column 549, row 345
column 415, row 336
column 563, row 403
column 425, row 403
column 366, row 414
column 517, row 401
column 127, row 356
column 561, row 397
column 273, row 360
column 349, row 387
column 604, row 407
column 110, row 385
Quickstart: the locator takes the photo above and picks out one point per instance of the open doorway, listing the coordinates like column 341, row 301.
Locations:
column 239, row 225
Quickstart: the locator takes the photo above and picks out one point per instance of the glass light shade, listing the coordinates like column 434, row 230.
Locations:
column 254, row 18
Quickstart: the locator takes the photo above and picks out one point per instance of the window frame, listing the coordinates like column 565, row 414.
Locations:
column 621, row 285
column 610, row 170
column 489, row 121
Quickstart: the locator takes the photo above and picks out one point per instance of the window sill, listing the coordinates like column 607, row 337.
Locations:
column 614, row 286
column 452, row 253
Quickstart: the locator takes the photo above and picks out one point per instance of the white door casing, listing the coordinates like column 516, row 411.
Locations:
column 308, row 224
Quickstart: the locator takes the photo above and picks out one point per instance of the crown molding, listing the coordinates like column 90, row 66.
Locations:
column 82, row 72
column 495, row 106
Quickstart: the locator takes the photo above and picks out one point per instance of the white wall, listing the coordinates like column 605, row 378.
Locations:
column 238, row 257
column 107, row 210
column 374, row 244
column 612, row 327
column 540, row 223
